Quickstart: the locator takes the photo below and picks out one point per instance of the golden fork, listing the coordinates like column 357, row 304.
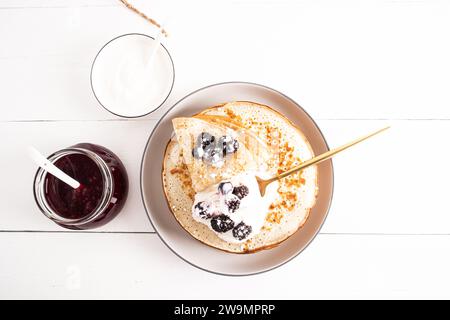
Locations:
column 263, row 183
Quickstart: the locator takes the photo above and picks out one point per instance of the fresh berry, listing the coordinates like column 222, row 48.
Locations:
column 198, row 152
column 217, row 157
column 242, row 231
column 228, row 144
column 232, row 147
column 225, row 187
column 222, row 223
column 241, row 191
column 208, row 149
column 232, row 203
column 213, row 156
column 205, row 139
column 223, row 142
column 208, row 153
column 203, row 210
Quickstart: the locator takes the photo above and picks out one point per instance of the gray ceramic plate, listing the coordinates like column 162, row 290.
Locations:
column 175, row 237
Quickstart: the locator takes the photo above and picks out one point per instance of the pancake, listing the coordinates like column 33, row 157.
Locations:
column 295, row 195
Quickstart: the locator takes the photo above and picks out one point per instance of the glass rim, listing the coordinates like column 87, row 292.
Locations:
column 146, row 113
column 39, row 188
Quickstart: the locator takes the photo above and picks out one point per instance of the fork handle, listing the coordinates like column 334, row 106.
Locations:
column 324, row 156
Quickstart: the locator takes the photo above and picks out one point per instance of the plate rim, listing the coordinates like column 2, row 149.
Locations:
column 141, row 185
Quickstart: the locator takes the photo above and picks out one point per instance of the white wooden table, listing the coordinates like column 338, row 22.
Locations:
column 354, row 65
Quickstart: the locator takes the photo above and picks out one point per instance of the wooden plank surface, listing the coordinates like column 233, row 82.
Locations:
column 355, row 66
column 140, row 267
column 125, row 138
column 382, row 186
column 347, row 60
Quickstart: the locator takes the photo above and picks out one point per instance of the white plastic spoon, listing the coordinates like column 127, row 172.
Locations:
column 45, row 164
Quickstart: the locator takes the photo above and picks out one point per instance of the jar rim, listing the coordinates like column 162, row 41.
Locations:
column 39, row 188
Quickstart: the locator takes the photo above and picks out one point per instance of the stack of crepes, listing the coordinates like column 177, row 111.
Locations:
column 268, row 145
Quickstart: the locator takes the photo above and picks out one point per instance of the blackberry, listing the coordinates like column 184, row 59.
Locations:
column 222, row 223
column 232, row 203
column 242, row 231
column 225, row 187
column 241, row 191
column 202, row 209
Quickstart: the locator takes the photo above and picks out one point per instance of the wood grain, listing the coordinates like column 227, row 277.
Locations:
column 355, row 66
column 382, row 186
column 140, row 267
column 347, row 60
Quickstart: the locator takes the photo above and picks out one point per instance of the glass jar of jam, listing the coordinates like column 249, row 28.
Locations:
column 102, row 192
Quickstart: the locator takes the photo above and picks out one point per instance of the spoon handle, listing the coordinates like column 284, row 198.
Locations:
column 45, row 164
column 325, row 156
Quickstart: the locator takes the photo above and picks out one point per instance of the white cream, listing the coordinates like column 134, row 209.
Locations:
column 252, row 209
column 125, row 82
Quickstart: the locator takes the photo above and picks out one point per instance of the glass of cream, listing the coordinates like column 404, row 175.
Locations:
column 127, row 81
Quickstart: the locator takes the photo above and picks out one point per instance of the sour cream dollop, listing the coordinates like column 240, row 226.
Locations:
column 234, row 209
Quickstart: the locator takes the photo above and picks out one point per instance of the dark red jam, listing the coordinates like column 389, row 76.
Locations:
column 101, row 195
column 77, row 203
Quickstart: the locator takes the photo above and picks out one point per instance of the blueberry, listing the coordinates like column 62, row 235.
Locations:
column 232, row 147
column 228, row 144
column 224, row 141
column 225, row 187
column 222, row 223
column 208, row 153
column 232, row 203
column 198, row 152
column 202, row 209
column 205, row 139
column 208, row 149
column 217, row 156
column 241, row 191
column 242, row 231
column 213, row 156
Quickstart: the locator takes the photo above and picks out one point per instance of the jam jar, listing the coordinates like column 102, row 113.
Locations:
column 99, row 198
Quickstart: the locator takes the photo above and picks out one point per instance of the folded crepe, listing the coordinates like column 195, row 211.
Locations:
column 248, row 156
